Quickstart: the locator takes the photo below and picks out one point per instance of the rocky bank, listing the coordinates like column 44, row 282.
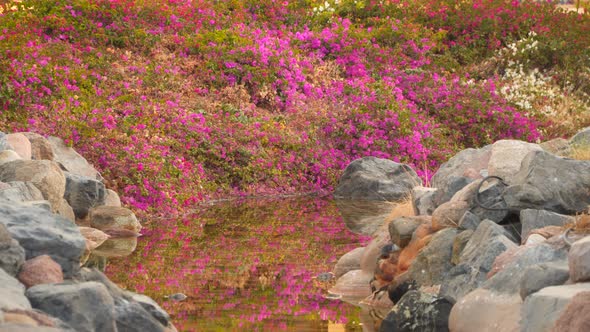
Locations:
column 497, row 242
column 54, row 212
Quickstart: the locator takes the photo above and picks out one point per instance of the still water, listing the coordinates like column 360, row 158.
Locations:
column 245, row 266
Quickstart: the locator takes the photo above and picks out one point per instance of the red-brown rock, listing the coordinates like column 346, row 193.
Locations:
column 575, row 317
column 40, row 270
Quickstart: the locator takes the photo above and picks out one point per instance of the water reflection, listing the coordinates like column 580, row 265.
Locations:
column 365, row 217
column 245, row 266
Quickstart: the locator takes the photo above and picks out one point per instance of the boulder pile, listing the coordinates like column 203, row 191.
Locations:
column 499, row 242
column 54, row 212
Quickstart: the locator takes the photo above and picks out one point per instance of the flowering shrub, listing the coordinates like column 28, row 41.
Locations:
column 177, row 102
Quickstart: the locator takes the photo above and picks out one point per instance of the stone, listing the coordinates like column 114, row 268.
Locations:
column 469, row 221
column 12, row 255
column 65, row 210
column 575, row 316
column 151, row 307
column 539, row 276
column 469, row 163
column 348, row 262
column 38, row 318
column 71, row 160
column 485, row 311
column 83, row 193
column 548, row 182
column 448, row 215
column 423, row 200
column 353, row 285
column 86, row 306
column 116, row 247
column 18, row 191
column 11, row 327
column 112, row 198
column 42, row 204
column 364, row 217
column 418, row 311
column 452, row 185
column 533, row 219
column 542, row 309
column 94, row 237
column 507, row 279
column 506, row 157
column 579, row 260
column 432, row 263
column 39, row 232
column 581, row 139
column 490, row 196
column 372, row 178
column 401, row 229
column 114, row 218
column 4, row 145
column 12, row 293
column 557, row 146
column 20, row 144
column 8, row 156
column 132, row 317
column 40, row 147
column 372, row 251
column 45, row 175
column 40, row 270
column 459, row 244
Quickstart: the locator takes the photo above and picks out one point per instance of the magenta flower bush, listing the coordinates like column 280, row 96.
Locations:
column 178, row 102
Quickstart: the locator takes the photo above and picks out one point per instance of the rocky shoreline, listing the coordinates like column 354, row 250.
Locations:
column 497, row 242
column 54, row 213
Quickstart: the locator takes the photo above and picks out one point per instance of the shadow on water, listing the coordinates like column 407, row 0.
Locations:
column 245, row 266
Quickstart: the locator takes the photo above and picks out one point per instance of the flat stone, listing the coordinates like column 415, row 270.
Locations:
column 12, row 255
column 71, row 160
column 539, row 276
column 114, row 218
column 83, row 193
column 12, row 293
column 533, row 219
column 371, row 178
column 579, row 260
column 401, row 229
column 485, row 311
column 433, row 262
column 542, row 309
column 507, row 156
column 86, row 306
column 40, row 270
column 40, row 147
column 20, row 144
column 348, row 262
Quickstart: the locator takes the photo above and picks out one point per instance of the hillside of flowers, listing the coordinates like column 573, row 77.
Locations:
column 177, row 102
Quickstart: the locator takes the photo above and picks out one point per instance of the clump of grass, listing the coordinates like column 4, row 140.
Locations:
column 580, row 153
column 404, row 208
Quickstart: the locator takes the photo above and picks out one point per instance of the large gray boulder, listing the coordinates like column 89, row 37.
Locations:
column 71, row 160
column 372, row 178
column 12, row 293
column 548, row 182
column 423, row 200
column 83, row 193
column 87, row 306
column 41, row 233
column 470, row 163
column 506, row 157
column 533, row 219
column 434, row 260
column 44, row 174
column 18, row 191
column 543, row 275
column 12, row 255
column 581, row 139
column 418, row 311
column 132, row 317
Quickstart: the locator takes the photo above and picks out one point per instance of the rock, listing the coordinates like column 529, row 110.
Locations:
column 112, row 198
column 545, row 232
column 114, row 218
column 45, row 175
column 490, row 196
column 506, row 157
column 575, row 316
column 453, row 185
column 459, row 244
column 71, row 160
column 40, row 147
column 35, row 318
column 468, row 163
column 20, row 144
column 117, row 247
column 364, row 217
column 11, row 327
column 373, row 250
column 534, row 219
column 507, row 279
column 86, row 306
column 542, row 309
column 151, row 307
column 65, row 210
column 418, row 311
column 40, row 270
column 401, row 229
column 485, row 311
column 349, row 261
column 469, row 221
column 8, row 156
column 476, row 260
column 42, row 204
column 432, row 263
column 4, row 145
column 557, row 146
column 132, row 317
column 91, row 274
column 539, row 276
column 17, row 191
column 12, row 293
column 581, row 139
column 16, row 318
column 371, row 178
column 423, row 200
column 352, row 286
column 579, row 260
column 39, row 232
column 12, row 255
column 94, row 237
column 448, row 215
column 543, row 184
column 83, row 193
